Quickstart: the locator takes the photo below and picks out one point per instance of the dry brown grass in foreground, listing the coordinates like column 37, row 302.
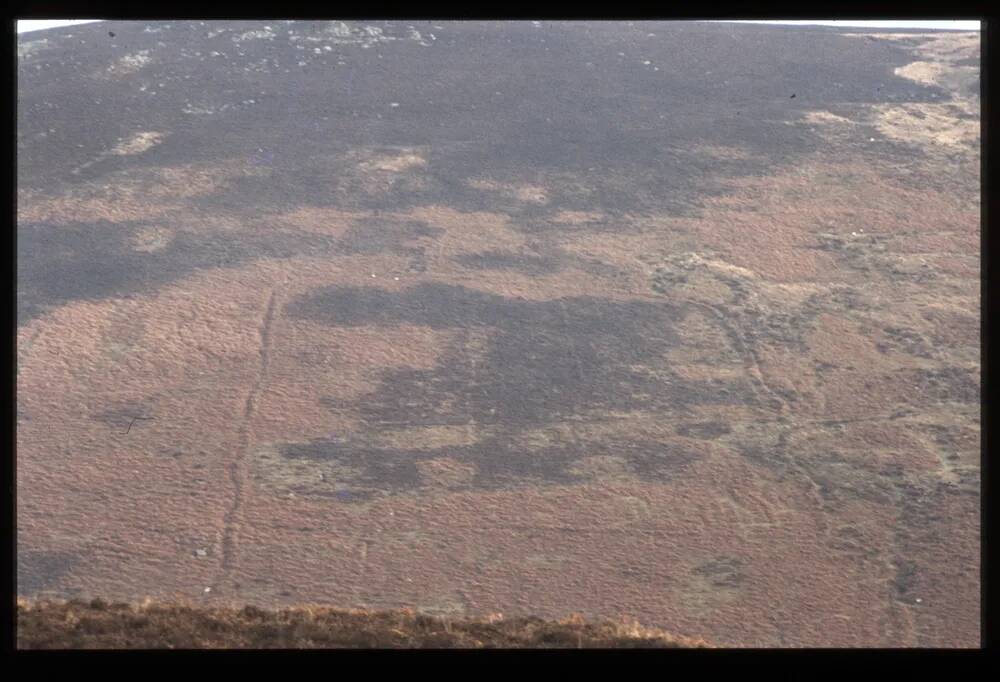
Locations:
column 152, row 625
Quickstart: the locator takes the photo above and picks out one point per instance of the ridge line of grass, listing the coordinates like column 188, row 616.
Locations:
column 97, row 624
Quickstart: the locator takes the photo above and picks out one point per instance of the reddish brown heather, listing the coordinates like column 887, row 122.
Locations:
column 162, row 625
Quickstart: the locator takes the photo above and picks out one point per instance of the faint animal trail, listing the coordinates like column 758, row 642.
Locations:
column 237, row 467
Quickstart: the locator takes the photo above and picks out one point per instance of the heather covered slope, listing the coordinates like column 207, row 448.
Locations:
column 154, row 625
column 668, row 320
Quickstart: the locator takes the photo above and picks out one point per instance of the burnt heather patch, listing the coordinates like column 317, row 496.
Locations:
column 58, row 264
column 366, row 472
column 544, row 359
column 42, row 570
column 565, row 360
column 603, row 100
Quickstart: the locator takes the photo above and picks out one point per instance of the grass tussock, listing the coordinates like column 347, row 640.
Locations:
column 52, row 624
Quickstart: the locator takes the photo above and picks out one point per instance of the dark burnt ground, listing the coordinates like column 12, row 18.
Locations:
column 512, row 99
column 545, row 362
column 57, row 264
column 507, row 96
column 39, row 571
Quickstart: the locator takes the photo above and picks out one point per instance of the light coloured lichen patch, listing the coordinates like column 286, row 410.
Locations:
column 928, row 124
column 130, row 63
column 831, row 126
column 827, row 117
column 197, row 109
column 578, row 217
column 941, row 62
column 394, row 163
column 30, row 47
column 428, row 437
column 959, row 79
column 151, row 239
column 265, row 33
column 927, row 73
column 707, row 262
column 380, row 171
column 940, row 45
column 532, row 194
column 208, row 108
column 340, row 33
column 414, row 35
column 138, row 143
